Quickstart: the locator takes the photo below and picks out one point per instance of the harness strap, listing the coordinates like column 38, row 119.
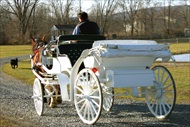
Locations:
column 36, row 51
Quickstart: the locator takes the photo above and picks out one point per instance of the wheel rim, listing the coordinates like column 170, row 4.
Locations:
column 108, row 97
column 88, row 96
column 161, row 97
column 38, row 97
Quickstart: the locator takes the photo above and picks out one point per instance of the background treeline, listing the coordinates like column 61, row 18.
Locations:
column 145, row 19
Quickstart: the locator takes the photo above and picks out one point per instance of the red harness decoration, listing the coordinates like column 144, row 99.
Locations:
column 36, row 51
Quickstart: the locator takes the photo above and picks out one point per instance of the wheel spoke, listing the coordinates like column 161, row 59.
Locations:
column 92, row 113
column 168, row 105
column 89, row 111
column 154, row 103
column 166, row 80
column 95, row 103
column 157, row 105
column 78, row 88
column 162, row 76
column 160, row 108
column 80, row 101
column 163, row 106
column 167, row 86
column 169, row 99
column 79, row 95
column 92, row 106
column 85, row 109
column 158, row 74
column 95, row 90
column 82, row 107
column 94, row 97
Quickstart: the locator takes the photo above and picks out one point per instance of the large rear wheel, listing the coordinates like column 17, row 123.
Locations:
column 161, row 97
column 88, row 96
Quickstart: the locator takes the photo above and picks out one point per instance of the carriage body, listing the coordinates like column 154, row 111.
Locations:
column 93, row 67
column 128, row 60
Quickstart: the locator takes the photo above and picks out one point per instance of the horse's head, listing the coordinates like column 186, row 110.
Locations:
column 36, row 43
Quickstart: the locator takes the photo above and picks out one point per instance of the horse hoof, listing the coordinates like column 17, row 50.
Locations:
column 59, row 100
column 53, row 103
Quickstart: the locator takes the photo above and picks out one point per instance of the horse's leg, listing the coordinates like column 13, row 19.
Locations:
column 52, row 100
column 51, row 92
column 58, row 99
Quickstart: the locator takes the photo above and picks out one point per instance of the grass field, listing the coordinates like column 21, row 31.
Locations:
column 181, row 73
column 180, row 48
column 15, row 50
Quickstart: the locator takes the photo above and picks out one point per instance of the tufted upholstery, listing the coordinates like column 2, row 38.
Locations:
column 73, row 50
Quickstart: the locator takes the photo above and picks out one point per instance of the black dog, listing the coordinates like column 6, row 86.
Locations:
column 14, row 63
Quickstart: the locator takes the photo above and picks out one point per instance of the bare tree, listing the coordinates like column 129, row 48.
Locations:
column 22, row 9
column 41, row 21
column 131, row 7
column 61, row 9
column 167, row 16
column 148, row 15
column 184, row 13
column 143, row 18
column 152, row 16
column 105, row 9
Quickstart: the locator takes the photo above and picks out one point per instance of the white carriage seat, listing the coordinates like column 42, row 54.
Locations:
column 123, row 48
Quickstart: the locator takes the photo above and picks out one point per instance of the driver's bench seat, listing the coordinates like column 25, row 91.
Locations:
column 74, row 50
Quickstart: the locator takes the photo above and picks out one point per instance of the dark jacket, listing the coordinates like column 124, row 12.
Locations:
column 87, row 27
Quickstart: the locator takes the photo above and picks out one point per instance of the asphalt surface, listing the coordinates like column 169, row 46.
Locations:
column 17, row 110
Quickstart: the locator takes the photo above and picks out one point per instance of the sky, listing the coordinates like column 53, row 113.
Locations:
column 86, row 5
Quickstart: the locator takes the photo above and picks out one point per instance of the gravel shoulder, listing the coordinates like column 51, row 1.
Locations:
column 17, row 110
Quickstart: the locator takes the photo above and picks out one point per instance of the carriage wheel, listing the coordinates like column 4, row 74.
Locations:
column 38, row 94
column 108, row 97
column 161, row 97
column 88, row 96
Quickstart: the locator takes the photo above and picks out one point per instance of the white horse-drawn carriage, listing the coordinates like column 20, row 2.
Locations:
column 88, row 68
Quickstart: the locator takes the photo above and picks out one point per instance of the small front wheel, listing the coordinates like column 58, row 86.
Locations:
column 38, row 96
column 88, row 96
column 108, row 97
column 161, row 97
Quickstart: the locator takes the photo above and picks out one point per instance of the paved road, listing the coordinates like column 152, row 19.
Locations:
column 17, row 110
